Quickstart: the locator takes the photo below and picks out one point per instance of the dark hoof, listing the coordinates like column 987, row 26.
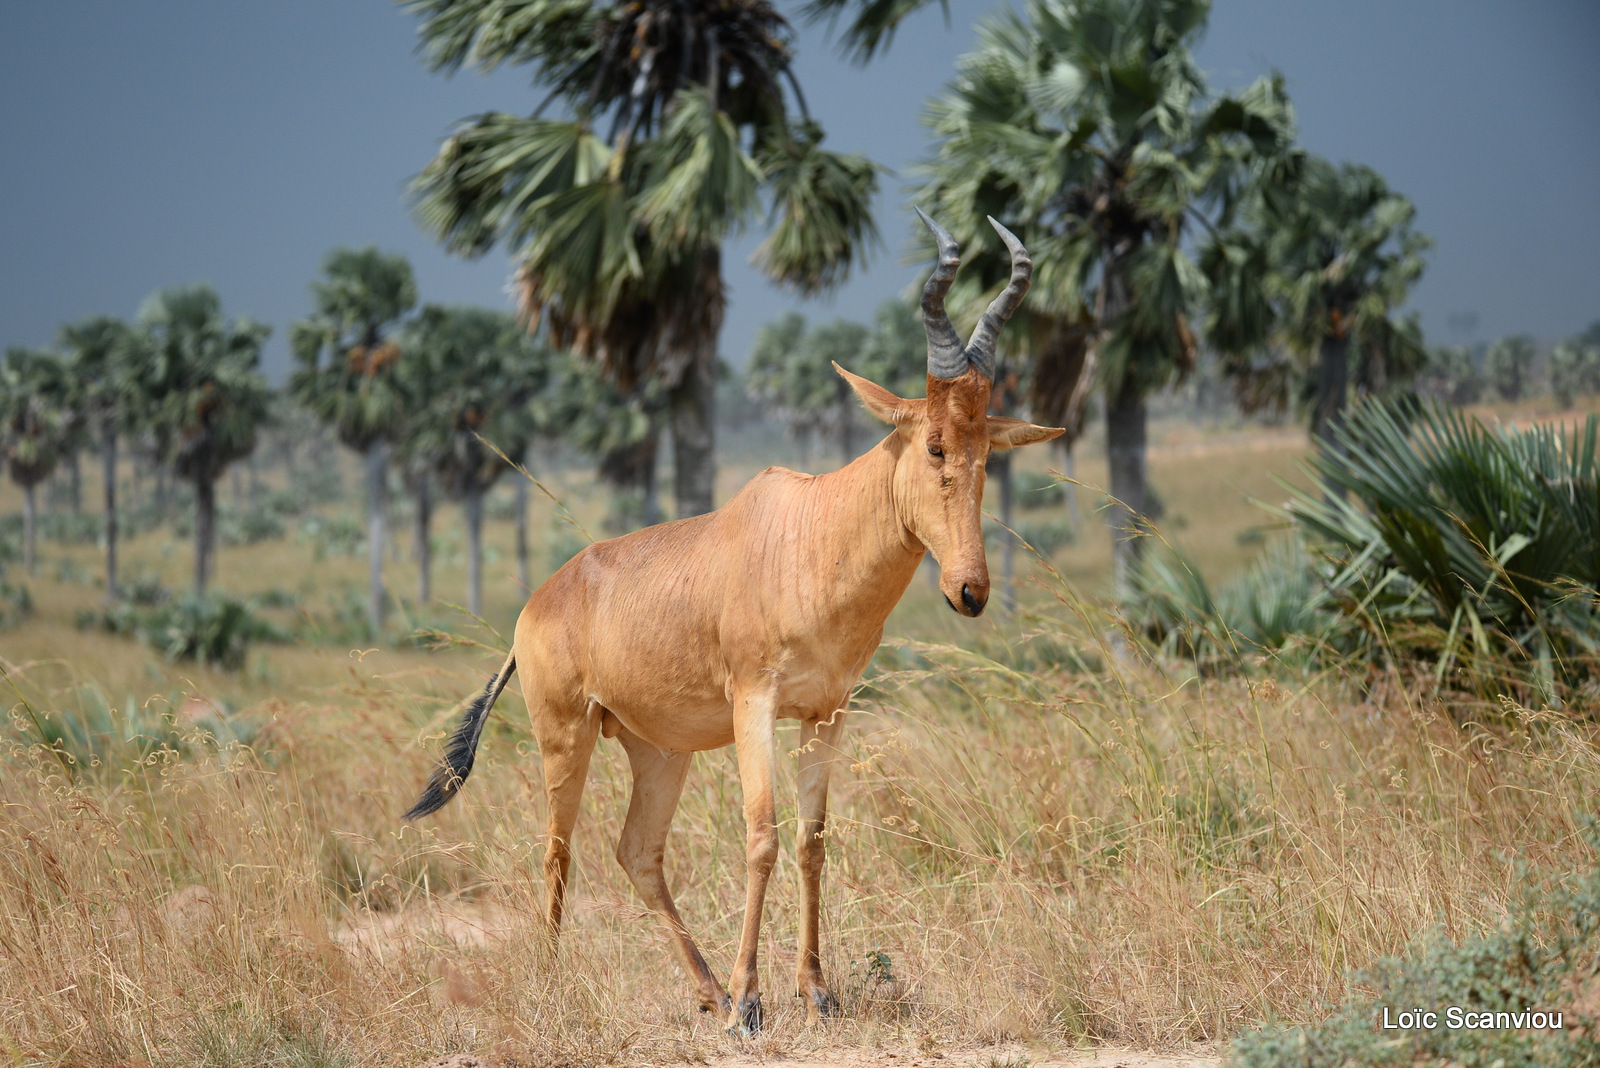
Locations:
column 825, row 1004
column 751, row 1017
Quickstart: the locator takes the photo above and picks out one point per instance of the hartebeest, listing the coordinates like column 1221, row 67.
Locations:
column 692, row 634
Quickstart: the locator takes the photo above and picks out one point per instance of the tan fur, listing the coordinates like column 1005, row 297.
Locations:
column 705, row 631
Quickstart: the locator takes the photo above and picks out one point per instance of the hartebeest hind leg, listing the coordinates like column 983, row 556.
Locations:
column 657, row 784
column 818, row 750
column 754, row 724
column 566, row 742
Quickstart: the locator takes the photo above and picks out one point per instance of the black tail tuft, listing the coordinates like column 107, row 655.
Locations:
column 460, row 752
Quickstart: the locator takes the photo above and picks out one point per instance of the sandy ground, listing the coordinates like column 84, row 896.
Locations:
column 986, row 1057
column 976, row 1057
column 474, row 923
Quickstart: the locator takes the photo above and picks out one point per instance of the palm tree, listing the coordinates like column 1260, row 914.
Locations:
column 1574, row 369
column 896, row 351
column 100, row 348
column 845, row 343
column 483, row 371
column 1451, row 372
column 360, row 299
column 1320, row 257
column 205, row 399
column 1509, row 364
column 36, row 427
column 788, row 373
column 1088, row 130
column 619, row 237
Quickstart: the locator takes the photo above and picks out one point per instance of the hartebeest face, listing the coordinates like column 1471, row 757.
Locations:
column 943, row 441
column 940, row 446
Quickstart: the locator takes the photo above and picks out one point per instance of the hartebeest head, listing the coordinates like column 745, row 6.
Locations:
column 941, row 442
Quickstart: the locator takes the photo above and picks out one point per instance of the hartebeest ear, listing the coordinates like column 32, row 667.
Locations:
column 879, row 401
column 1007, row 433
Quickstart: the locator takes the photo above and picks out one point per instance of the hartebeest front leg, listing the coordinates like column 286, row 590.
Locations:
column 657, row 784
column 818, row 750
column 754, row 725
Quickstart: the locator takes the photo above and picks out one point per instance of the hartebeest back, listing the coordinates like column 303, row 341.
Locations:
column 708, row 630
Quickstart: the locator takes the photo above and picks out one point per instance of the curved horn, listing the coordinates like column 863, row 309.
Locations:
column 945, row 356
column 980, row 350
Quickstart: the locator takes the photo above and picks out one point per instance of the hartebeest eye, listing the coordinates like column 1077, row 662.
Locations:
column 934, row 449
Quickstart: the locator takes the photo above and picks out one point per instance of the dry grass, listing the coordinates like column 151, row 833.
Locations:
column 1056, row 855
column 1035, row 840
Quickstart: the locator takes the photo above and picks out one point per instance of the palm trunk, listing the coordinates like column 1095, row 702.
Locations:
column 422, row 538
column 1069, row 468
column 236, row 482
column 473, row 507
column 377, row 514
column 30, row 525
column 74, row 483
column 205, row 525
column 108, row 459
column 693, row 399
column 1333, row 381
column 1125, row 452
column 163, row 489
column 693, row 403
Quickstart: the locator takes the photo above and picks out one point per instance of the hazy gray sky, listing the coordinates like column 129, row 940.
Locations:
column 173, row 141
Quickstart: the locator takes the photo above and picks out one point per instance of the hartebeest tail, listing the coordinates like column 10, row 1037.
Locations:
column 463, row 748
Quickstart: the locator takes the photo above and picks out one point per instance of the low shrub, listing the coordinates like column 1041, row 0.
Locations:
column 1037, row 489
column 72, row 528
column 1540, row 960
column 215, row 630
column 1470, row 547
column 1276, row 603
column 1045, row 535
column 332, row 535
column 87, row 732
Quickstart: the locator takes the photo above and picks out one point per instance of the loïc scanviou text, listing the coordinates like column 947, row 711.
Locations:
column 1456, row 1018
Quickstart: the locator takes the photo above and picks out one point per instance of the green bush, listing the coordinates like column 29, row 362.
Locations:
column 1278, row 600
column 1451, row 373
column 1470, row 547
column 340, row 535
column 250, row 526
column 15, row 601
column 215, row 630
column 72, row 528
column 1574, row 370
column 1542, row 958
column 1045, row 535
column 1037, row 489
column 86, row 731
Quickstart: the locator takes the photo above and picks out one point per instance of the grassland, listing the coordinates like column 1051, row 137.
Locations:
column 1033, row 839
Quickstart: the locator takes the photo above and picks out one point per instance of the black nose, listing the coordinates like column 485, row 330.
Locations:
column 974, row 605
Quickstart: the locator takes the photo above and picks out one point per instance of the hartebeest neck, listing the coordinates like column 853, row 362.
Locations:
column 872, row 552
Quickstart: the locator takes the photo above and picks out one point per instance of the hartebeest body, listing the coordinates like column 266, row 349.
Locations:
column 693, row 634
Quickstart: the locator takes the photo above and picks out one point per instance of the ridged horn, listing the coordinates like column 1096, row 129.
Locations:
column 980, row 349
column 946, row 358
